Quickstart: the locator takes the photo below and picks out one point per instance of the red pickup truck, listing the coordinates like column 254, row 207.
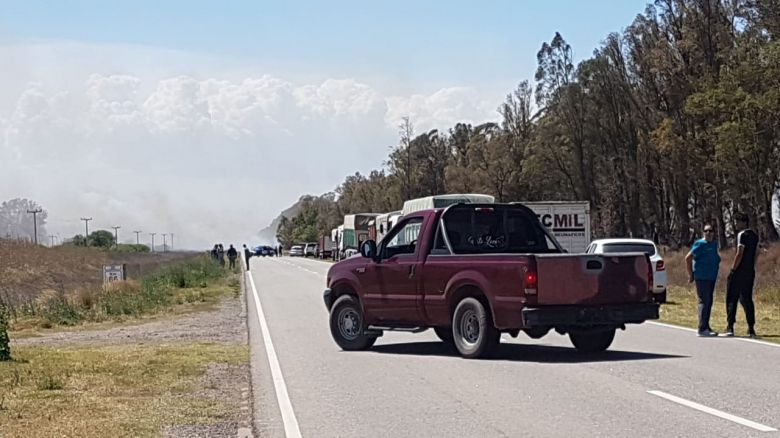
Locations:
column 473, row 271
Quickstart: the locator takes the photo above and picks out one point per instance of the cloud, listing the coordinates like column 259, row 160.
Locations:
column 206, row 157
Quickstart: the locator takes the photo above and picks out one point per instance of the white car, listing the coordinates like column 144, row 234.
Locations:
column 296, row 251
column 604, row 246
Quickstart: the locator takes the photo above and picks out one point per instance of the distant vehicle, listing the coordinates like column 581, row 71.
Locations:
column 441, row 201
column 384, row 222
column 310, row 250
column 606, row 246
column 325, row 247
column 296, row 251
column 569, row 222
column 263, row 251
column 355, row 232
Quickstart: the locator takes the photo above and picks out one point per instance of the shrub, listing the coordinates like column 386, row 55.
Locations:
column 5, row 342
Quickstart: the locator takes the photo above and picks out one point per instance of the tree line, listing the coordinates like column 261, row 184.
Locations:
column 672, row 123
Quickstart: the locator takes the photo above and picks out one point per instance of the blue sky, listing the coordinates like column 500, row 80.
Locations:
column 206, row 119
column 418, row 42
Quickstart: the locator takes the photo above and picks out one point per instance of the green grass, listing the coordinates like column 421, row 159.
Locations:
column 127, row 390
column 682, row 309
column 190, row 285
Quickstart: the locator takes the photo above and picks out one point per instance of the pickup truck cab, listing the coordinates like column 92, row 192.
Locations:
column 473, row 271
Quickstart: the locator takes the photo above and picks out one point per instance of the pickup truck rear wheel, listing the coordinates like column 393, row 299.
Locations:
column 472, row 329
column 592, row 342
column 346, row 325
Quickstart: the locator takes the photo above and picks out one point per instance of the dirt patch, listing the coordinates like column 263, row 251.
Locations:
column 222, row 382
column 225, row 325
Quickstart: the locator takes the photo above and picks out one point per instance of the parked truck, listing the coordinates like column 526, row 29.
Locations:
column 473, row 271
column 384, row 222
column 325, row 247
column 569, row 222
column 355, row 232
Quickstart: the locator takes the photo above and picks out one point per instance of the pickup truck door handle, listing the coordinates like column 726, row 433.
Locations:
column 411, row 271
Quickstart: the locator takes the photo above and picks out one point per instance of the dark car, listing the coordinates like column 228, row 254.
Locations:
column 263, row 250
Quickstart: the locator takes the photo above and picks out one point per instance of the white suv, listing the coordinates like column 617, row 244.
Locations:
column 603, row 246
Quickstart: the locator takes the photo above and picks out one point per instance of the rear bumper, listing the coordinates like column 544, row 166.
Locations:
column 589, row 316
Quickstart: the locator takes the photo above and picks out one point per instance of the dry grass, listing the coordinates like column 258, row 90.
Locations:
column 128, row 390
column 683, row 303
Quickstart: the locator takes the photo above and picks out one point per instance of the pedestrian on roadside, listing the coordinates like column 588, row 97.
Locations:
column 247, row 255
column 221, row 255
column 214, row 252
column 281, row 251
column 232, row 256
column 739, row 286
column 703, row 262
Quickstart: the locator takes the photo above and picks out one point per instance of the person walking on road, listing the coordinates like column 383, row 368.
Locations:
column 739, row 286
column 232, row 256
column 702, row 263
column 247, row 255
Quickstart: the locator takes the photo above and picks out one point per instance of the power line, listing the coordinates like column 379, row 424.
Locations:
column 86, row 226
column 137, row 239
column 35, row 221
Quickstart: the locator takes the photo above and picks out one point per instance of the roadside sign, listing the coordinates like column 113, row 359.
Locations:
column 112, row 273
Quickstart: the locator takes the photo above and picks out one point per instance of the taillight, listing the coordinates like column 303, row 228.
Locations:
column 530, row 278
column 649, row 275
column 659, row 265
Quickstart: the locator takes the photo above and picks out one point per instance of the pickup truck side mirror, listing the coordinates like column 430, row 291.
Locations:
column 368, row 250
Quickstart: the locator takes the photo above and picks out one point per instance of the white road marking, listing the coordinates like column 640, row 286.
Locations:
column 753, row 341
column 291, row 429
column 715, row 412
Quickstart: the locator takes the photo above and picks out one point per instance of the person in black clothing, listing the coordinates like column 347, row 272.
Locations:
column 739, row 286
column 232, row 256
column 247, row 255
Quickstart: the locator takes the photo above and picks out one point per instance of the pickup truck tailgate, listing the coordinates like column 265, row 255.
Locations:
column 593, row 279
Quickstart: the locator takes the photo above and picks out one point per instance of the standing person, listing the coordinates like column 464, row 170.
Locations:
column 214, row 252
column 247, row 255
column 703, row 262
column 221, row 255
column 280, row 250
column 232, row 256
column 739, row 286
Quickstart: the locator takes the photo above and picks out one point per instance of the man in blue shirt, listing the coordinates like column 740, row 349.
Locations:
column 703, row 262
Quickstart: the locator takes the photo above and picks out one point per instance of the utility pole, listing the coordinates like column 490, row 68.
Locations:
column 152, row 234
column 137, row 240
column 116, row 236
column 86, row 232
column 171, row 241
column 35, row 222
column 52, row 240
column 164, row 248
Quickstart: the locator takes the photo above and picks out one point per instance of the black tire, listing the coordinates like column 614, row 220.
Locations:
column 346, row 325
column 445, row 334
column 472, row 329
column 592, row 342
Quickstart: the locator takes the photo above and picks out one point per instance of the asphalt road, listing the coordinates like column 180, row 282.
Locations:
column 411, row 385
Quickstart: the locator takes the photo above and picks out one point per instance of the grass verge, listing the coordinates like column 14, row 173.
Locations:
column 193, row 285
column 682, row 309
column 127, row 390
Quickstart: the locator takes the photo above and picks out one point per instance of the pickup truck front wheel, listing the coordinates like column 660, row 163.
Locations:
column 346, row 325
column 472, row 329
column 592, row 341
